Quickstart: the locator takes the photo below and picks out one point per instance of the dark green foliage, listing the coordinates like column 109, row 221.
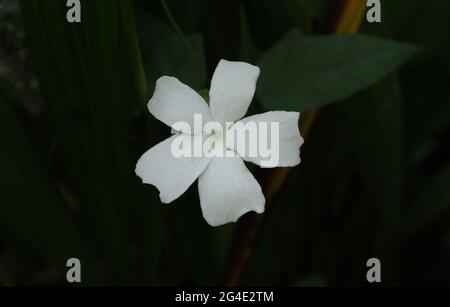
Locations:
column 301, row 73
column 374, row 179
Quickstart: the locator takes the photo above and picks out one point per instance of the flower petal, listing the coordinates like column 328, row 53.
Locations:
column 172, row 176
column 174, row 101
column 232, row 89
column 228, row 190
column 273, row 149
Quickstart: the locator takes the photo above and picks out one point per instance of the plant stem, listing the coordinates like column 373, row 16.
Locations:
column 347, row 17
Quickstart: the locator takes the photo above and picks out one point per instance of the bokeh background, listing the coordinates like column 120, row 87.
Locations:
column 375, row 174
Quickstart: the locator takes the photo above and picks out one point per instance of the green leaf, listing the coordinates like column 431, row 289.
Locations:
column 79, row 66
column 430, row 202
column 31, row 209
column 205, row 94
column 300, row 73
column 247, row 51
column 164, row 52
column 410, row 20
column 376, row 122
column 267, row 22
column 221, row 29
column 304, row 12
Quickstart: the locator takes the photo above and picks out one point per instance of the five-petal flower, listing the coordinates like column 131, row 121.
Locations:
column 226, row 187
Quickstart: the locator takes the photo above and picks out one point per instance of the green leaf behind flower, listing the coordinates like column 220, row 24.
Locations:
column 300, row 73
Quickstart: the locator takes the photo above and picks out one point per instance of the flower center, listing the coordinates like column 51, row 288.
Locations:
column 218, row 138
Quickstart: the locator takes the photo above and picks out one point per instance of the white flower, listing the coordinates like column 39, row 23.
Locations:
column 226, row 187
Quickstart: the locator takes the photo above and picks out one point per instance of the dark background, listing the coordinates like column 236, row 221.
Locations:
column 374, row 179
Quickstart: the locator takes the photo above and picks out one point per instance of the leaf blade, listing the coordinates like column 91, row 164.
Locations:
column 301, row 73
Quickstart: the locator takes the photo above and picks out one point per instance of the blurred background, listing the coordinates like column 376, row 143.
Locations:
column 374, row 181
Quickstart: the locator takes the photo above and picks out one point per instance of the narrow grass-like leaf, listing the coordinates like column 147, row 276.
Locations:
column 79, row 68
column 164, row 52
column 431, row 201
column 30, row 206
